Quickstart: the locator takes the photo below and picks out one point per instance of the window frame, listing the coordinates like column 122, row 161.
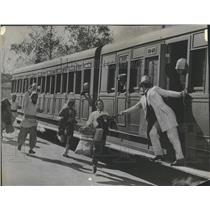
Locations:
column 157, row 58
column 52, row 87
column 43, row 83
column 46, row 85
column 13, row 85
column 140, row 70
column 68, row 82
column 64, row 84
column 112, row 89
column 75, row 76
column 58, row 90
column 198, row 89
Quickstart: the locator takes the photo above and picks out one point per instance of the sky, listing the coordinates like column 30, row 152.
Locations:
column 15, row 34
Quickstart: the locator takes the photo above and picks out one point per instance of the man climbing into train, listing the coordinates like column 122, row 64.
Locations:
column 160, row 117
column 67, row 123
column 178, row 78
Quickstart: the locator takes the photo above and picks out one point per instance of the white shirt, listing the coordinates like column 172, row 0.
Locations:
column 92, row 120
column 29, row 109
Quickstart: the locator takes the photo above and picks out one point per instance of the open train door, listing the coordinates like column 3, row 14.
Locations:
column 170, row 51
column 175, row 49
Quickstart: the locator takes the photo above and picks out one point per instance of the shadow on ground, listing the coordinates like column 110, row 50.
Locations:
column 155, row 173
column 74, row 166
column 11, row 141
column 114, row 179
column 140, row 167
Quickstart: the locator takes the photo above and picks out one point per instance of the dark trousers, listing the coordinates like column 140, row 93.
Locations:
column 23, row 134
column 99, row 142
column 97, row 151
column 69, row 138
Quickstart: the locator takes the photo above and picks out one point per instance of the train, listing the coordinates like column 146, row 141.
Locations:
column 152, row 54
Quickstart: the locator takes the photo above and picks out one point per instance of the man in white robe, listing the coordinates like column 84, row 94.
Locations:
column 160, row 117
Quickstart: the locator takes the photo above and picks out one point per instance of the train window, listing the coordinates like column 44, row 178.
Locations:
column 87, row 74
column 111, row 78
column 78, row 82
column 13, row 86
column 58, row 83
column 26, row 84
column 42, row 84
column 16, row 86
column 52, row 84
column 22, row 86
column 19, row 87
column 31, row 81
column 122, row 77
column 71, row 82
column 39, row 81
column 123, row 68
column 64, row 83
column 151, row 68
column 48, row 84
column 135, row 74
column 198, row 69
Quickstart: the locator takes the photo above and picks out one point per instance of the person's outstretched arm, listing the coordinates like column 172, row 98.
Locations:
column 169, row 93
column 133, row 108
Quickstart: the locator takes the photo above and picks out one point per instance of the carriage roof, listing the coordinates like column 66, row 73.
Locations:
column 86, row 54
column 153, row 36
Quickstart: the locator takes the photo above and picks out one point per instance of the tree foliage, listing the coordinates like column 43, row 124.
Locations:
column 42, row 44
column 45, row 43
column 90, row 36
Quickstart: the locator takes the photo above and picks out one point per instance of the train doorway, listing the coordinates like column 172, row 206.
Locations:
column 176, row 51
column 175, row 82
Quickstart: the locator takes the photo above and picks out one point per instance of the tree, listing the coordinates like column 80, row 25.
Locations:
column 86, row 37
column 42, row 44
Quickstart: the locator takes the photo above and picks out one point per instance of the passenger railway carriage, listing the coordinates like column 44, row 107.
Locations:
column 152, row 54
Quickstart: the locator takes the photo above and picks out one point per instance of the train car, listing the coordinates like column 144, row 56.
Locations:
column 57, row 78
column 155, row 54
column 114, row 71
